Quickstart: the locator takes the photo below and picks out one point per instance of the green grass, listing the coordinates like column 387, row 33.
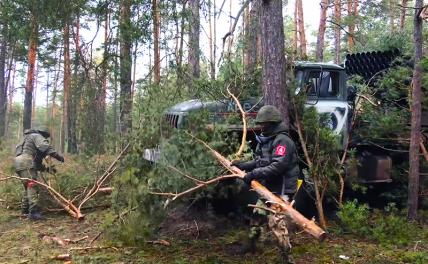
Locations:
column 21, row 243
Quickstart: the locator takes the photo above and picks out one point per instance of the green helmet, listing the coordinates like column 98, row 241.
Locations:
column 268, row 113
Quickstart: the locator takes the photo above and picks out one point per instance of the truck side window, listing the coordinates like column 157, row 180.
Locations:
column 327, row 83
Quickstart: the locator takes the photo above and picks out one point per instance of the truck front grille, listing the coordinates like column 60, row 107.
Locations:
column 172, row 119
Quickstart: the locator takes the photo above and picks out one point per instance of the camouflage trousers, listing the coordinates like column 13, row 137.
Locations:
column 30, row 195
column 276, row 223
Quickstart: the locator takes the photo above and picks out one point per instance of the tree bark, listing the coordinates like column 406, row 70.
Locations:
column 319, row 56
column 252, row 29
column 415, row 134
column 301, row 30
column 352, row 13
column 3, row 84
column 125, row 67
column 32, row 56
column 392, row 6
column 67, row 86
column 403, row 14
column 156, row 32
column 194, row 24
column 272, row 32
column 337, row 20
column 211, row 40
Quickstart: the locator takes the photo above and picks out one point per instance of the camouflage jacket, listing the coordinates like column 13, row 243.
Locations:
column 32, row 150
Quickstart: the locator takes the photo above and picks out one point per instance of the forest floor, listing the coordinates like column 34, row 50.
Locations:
column 180, row 241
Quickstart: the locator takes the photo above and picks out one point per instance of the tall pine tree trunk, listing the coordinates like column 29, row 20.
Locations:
column 301, row 30
column 67, row 88
column 156, row 32
column 319, row 56
column 252, row 29
column 211, row 39
column 32, row 56
column 125, row 67
column 3, row 83
column 194, row 23
column 403, row 12
column 272, row 32
column 352, row 13
column 337, row 20
column 415, row 134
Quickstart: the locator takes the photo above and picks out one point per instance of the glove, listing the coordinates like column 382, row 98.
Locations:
column 57, row 157
column 248, row 178
column 237, row 164
column 52, row 170
column 245, row 166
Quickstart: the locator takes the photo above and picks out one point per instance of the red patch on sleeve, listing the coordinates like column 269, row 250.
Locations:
column 281, row 150
column 31, row 184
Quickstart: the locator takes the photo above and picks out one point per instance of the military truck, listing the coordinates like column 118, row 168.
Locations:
column 325, row 85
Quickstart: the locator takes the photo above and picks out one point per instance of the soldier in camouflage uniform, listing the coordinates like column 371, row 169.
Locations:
column 28, row 162
column 276, row 167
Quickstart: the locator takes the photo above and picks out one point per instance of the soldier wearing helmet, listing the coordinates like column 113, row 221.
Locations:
column 28, row 162
column 276, row 166
column 276, row 161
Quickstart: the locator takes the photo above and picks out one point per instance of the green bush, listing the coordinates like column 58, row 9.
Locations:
column 392, row 228
column 354, row 218
column 386, row 227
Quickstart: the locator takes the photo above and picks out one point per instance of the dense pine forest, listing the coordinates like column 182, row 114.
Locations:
column 140, row 112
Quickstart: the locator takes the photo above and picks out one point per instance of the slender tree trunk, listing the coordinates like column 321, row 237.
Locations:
column 67, row 89
column 392, row 6
column 352, row 13
column 337, row 20
column 295, row 32
column 211, row 41
column 3, row 84
column 194, row 38
column 403, row 14
column 125, row 67
column 29, row 86
column 301, row 30
column 319, row 56
column 101, row 97
column 272, row 31
column 415, row 134
column 156, row 32
column 11, row 88
column 33, row 111
column 250, row 43
column 215, row 38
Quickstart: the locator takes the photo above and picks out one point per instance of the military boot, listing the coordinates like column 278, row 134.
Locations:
column 248, row 246
column 35, row 215
column 286, row 257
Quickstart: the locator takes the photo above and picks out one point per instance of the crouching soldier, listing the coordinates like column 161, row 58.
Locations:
column 276, row 167
column 29, row 162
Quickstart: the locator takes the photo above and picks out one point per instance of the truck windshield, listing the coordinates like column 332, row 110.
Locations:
column 324, row 84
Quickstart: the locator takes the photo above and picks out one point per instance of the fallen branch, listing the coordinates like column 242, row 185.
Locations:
column 92, row 248
column 244, row 124
column 64, row 257
column 100, row 181
column 159, row 242
column 175, row 196
column 68, row 206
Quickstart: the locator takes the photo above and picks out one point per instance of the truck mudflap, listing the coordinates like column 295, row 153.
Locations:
column 375, row 169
